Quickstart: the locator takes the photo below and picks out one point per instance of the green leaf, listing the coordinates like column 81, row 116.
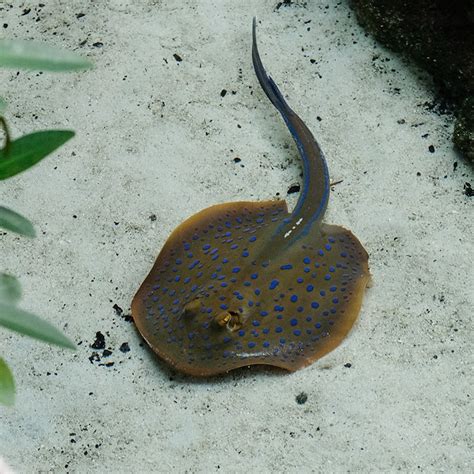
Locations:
column 10, row 289
column 3, row 105
column 13, row 221
column 7, row 385
column 31, row 55
column 26, row 151
column 31, row 325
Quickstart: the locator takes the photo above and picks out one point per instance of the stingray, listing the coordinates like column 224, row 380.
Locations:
column 246, row 283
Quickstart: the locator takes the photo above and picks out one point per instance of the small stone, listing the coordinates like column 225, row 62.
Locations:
column 124, row 347
column 99, row 342
column 301, row 398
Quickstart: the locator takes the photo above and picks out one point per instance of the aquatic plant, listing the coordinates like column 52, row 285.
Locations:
column 17, row 156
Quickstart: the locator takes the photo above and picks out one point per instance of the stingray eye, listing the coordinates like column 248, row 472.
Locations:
column 193, row 308
column 229, row 319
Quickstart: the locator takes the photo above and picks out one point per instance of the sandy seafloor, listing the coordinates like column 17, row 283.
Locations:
column 156, row 138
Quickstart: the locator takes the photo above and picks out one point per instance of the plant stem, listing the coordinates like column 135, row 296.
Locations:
column 4, row 126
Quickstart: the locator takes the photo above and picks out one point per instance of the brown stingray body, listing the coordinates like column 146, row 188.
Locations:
column 248, row 283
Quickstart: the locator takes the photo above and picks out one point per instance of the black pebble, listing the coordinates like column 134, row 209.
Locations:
column 98, row 44
column 237, row 160
column 348, row 365
column 118, row 309
column 301, row 398
column 177, row 57
column 431, row 149
column 99, row 342
column 223, row 92
column 106, row 353
column 294, row 189
column 124, row 347
column 468, row 191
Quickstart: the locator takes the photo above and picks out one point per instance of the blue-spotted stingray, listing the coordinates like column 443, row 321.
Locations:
column 246, row 283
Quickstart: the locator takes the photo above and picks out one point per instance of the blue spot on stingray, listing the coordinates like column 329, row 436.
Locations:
column 297, row 332
column 206, row 247
column 300, row 309
column 306, row 260
column 263, row 313
column 332, row 269
column 278, row 329
column 309, row 288
column 322, row 293
column 335, row 300
column 282, row 340
column 327, row 277
column 266, row 344
column 307, row 269
column 253, row 238
column 179, row 261
column 224, row 284
column 294, row 298
column 241, row 333
column 333, row 288
column 309, row 319
column 288, row 266
column 257, row 291
column 265, row 264
column 294, row 322
column 227, row 339
column 255, row 323
column 236, row 270
column 315, row 305
column 317, row 325
column 247, row 283
column 251, row 344
column 273, row 284
column 177, row 278
column 234, row 246
column 278, row 308
column 224, row 306
column 245, row 253
column 225, row 260
column 327, row 247
column 266, row 331
column 344, row 254
column 254, row 276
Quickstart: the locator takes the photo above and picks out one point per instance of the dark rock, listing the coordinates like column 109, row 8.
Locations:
column 301, row 398
column 99, row 342
column 124, row 347
column 438, row 35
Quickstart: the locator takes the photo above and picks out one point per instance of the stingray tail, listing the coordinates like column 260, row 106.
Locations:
column 314, row 195
column 266, row 82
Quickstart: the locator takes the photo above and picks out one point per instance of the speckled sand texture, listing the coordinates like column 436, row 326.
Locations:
column 158, row 140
